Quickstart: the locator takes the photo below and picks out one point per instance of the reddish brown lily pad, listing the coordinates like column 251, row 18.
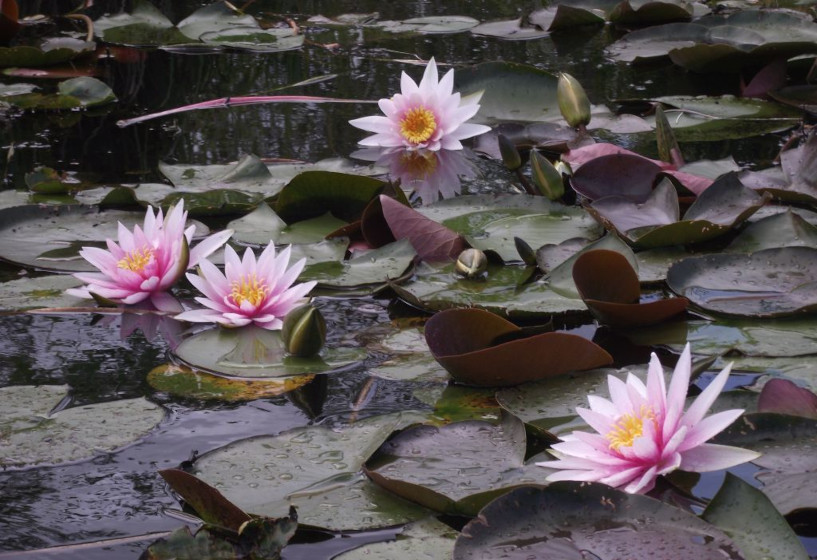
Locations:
column 781, row 396
column 431, row 240
column 610, row 288
column 464, row 342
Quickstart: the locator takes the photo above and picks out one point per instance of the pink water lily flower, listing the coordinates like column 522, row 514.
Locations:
column 147, row 261
column 643, row 432
column 428, row 115
column 249, row 291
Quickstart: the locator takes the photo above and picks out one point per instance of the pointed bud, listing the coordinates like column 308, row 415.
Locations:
column 304, row 331
column 525, row 251
column 510, row 155
column 546, row 178
column 472, row 264
column 573, row 102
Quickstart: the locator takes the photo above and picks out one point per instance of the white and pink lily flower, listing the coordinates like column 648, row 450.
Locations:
column 147, row 261
column 643, row 432
column 429, row 115
column 250, row 291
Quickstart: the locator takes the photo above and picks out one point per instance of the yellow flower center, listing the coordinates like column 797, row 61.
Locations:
column 628, row 427
column 419, row 165
column 418, row 125
column 250, row 289
column 136, row 260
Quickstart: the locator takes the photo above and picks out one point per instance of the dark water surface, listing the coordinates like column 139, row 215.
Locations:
column 120, row 494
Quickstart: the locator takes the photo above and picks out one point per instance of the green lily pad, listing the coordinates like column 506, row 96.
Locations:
column 313, row 193
column 482, row 349
column 768, row 283
column 185, row 382
column 75, row 93
column 567, row 16
column 251, row 38
column 52, row 51
column 33, row 435
column 427, row 538
column 512, row 92
column 43, row 291
column 785, row 229
column 504, row 293
column 445, row 468
column 638, row 12
column 432, row 25
column 253, row 352
column 510, row 30
column 314, row 468
column 374, row 267
column 575, row 519
column 749, row 518
column 722, row 43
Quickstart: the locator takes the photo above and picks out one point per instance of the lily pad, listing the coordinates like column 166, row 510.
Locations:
column 252, row 38
column 574, row 519
column 431, row 241
column 512, row 92
column 314, row 468
column 51, row 51
column 471, row 345
column 510, row 30
column 768, row 283
column 749, row 518
column 181, row 381
column 253, row 352
column 505, row 292
column 33, row 435
column 427, row 538
column 43, row 291
column 781, row 396
column 785, row 229
column 313, row 193
column 372, row 268
column 445, row 469
column 560, row 259
column 610, row 288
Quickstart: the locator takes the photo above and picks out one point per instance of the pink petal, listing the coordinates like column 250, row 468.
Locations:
column 712, row 457
column 699, row 408
column 207, row 246
column 708, row 428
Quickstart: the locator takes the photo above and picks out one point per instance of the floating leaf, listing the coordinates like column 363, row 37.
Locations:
column 610, row 288
column 768, row 283
column 445, row 469
column 314, row 468
column 33, row 435
column 427, row 538
column 572, row 519
column 52, row 51
column 466, row 343
column 431, row 241
column 313, row 193
column 42, row 291
column 182, row 381
column 373, row 268
column 253, row 352
column 781, row 396
column 210, row 505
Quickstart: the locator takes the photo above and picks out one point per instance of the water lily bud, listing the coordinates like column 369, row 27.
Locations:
column 546, row 178
column 525, row 251
column 304, row 331
column 510, row 155
column 573, row 102
column 472, row 263
column 564, row 168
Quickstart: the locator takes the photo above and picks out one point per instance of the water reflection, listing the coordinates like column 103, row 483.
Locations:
column 430, row 175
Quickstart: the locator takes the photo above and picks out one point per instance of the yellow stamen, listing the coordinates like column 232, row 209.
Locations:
column 136, row 260
column 418, row 125
column 628, row 427
column 250, row 289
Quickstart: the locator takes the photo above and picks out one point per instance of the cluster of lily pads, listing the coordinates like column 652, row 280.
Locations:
column 625, row 256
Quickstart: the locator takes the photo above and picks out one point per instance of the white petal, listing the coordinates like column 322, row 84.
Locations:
column 698, row 409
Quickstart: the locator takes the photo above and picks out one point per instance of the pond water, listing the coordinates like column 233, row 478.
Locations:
column 119, row 495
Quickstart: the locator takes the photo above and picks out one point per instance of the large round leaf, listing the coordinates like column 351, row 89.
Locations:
column 445, row 468
column 32, row 434
column 470, row 344
column 768, row 283
column 425, row 539
column 256, row 352
column 576, row 519
column 43, row 291
column 314, row 468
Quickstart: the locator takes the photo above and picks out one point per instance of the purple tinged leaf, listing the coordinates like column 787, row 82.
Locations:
column 781, row 396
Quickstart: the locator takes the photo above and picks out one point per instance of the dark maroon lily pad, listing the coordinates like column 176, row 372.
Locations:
column 465, row 343
column 784, row 397
column 610, row 288
column 431, row 240
column 626, row 175
column 210, row 504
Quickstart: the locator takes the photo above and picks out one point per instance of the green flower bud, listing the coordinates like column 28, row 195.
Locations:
column 304, row 331
column 546, row 178
column 510, row 155
column 573, row 102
